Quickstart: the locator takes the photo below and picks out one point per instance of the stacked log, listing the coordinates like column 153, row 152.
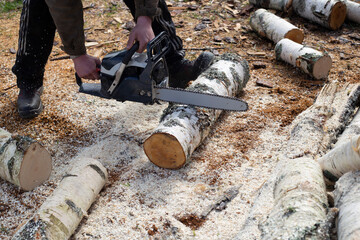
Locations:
column 347, row 200
column 353, row 11
column 275, row 28
column 311, row 61
column 328, row 13
column 282, row 5
column 23, row 161
column 59, row 216
column 182, row 128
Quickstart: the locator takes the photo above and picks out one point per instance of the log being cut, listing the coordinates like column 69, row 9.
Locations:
column 182, row 128
column 59, row 216
column 23, row 161
column 347, row 200
column 282, row 5
column 353, row 11
column 273, row 27
column 311, row 61
column 328, row 13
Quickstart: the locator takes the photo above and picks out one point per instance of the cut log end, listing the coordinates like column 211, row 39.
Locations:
column 165, row 151
column 35, row 168
column 295, row 35
column 337, row 15
column 322, row 67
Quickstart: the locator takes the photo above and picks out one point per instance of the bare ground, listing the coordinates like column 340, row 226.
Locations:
column 142, row 201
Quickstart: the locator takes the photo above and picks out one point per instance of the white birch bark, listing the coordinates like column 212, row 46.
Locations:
column 182, row 128
column 59, row 216
column 23, row 161
column 347, row 200
column 273, row 27
column 328, row 13
column 353, row 11
column 282, row 5
column 311, row 61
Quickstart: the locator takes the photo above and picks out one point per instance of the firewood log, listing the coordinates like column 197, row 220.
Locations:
column 59, row 216
column 353, row 11
column 328, row 13
column 182, row 128
column 347, row 200
column 273, row 27
column 23, row 161
column 282, row 5
column 311, row 61
column 300, row 202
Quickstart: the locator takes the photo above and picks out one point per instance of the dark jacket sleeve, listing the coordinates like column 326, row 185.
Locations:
column 147, row 8
column 69, row 21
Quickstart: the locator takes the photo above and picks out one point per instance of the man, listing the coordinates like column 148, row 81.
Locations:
column 39, row 21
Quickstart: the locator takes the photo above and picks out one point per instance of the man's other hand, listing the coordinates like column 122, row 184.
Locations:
column 86, row 66
column 142, row 32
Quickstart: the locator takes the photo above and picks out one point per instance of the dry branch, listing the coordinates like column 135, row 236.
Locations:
column 60, row 214
column 311, row 61
column 353, row 11
column 23, row 161
column 182, row 128
column 328, row 13
column 347, row 200
column 282, row 5
column 273, row 27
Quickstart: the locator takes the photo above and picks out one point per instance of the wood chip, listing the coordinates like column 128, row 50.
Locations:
column 264, row 83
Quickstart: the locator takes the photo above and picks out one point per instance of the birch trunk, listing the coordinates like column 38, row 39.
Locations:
column 328, row 13
column 347, row 200
column 300, row 202
column 273, row 27
column 23, row 161
column 182, row 128
column 341, row 159
column 282, row 5
column 353, row 11
column 59, row 216
column 309, row 60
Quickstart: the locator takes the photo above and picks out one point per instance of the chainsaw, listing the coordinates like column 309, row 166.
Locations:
column 144, row 77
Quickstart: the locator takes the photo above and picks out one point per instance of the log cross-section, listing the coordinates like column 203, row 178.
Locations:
column 182, row 128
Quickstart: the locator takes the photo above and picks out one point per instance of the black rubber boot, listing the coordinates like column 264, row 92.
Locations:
column 29, row 103
column 183, row 71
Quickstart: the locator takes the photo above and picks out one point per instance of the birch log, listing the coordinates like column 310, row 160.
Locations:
column 311, row 61
column 300, row 202
column 59, row 216
column 353, row 11
column 273, row 27
column 282, row 5
column 341, row 159
column 328, row 13
column 182, row 128
column 23, row 161
column 347, row 200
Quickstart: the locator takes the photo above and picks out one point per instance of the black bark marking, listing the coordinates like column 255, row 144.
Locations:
column 74, row 208
column 98, row 170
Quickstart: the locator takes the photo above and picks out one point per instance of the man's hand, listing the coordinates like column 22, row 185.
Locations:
column 142, row 32
column 86, row 66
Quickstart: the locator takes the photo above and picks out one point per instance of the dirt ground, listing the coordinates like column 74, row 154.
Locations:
column 142, row 201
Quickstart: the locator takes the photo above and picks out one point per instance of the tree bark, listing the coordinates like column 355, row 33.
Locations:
column 328, row 13
column 275, row 28
column 182, row 128
column 353, row 11
column 309, row 60
column 347, row 200
column 59, row 216
column 23, row 161
column 282, row 5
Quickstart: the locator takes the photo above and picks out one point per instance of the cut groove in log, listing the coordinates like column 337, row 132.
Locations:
column 182, row 128
column 23, row 161
column 347, row 200
column 328, row 13
column 282, row 5
column 353, row 11
column 273, row 27
column 59, row 216
column 311, row 61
